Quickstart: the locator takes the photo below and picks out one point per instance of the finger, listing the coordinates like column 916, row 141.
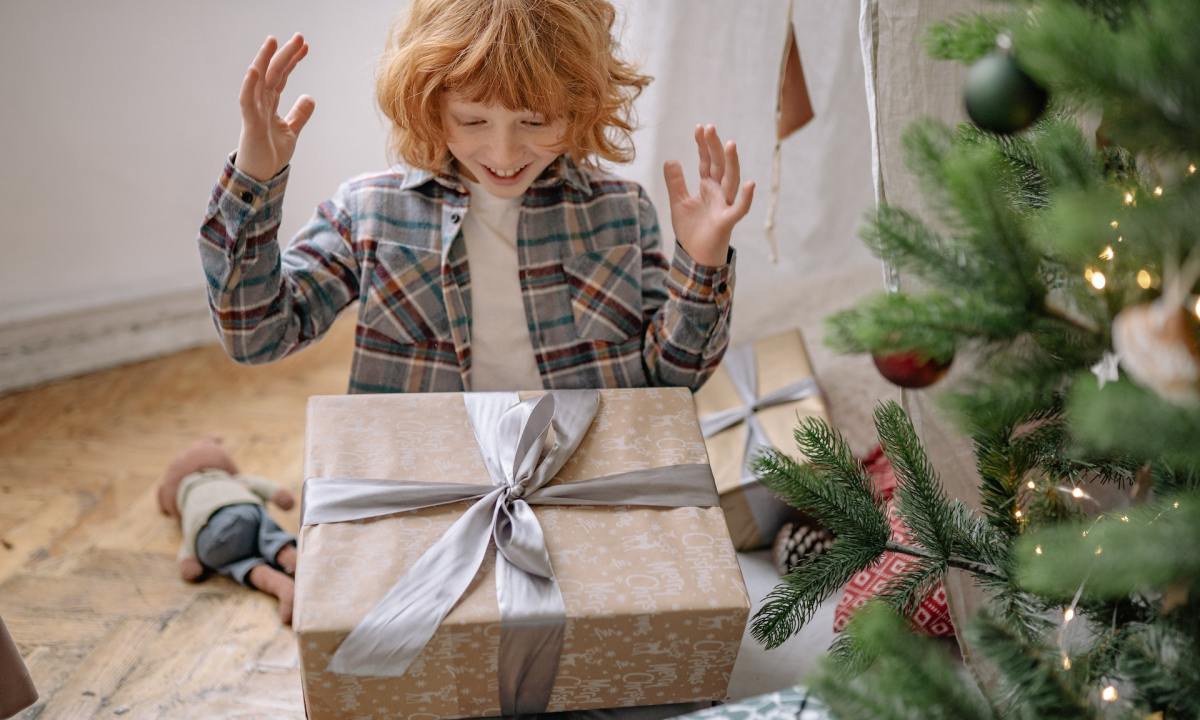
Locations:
column 300, row 113
column 287, row 72
column 280, row 60
column 733, row 172
column 715, row 153
column 248, row 97
column 264, row 54
column 702, row 147
column 676, row 184
column 742, row 206
column 259, row 68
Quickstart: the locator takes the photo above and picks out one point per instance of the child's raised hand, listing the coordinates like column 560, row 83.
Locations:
column 704, row 222
column 268, row 141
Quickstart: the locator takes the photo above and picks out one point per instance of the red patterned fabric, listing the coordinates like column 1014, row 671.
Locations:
column 932, row 615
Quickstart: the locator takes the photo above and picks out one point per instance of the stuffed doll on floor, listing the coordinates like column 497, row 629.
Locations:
column 226, row 528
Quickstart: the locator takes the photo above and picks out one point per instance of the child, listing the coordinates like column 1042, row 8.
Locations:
column 225, row 524
column 495, row 255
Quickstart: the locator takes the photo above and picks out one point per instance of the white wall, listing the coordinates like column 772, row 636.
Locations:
column 119, row 115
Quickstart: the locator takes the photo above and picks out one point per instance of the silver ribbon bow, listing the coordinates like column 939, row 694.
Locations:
column 524, row 444
column 742, row 369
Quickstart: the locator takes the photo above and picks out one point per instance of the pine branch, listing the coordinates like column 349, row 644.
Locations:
column 847, row 508
column 965, row 38
column 791, row 604
column 909, row 676
column 1143, row 552
column 921, row 502
column 971, row 566
column 1031, row 672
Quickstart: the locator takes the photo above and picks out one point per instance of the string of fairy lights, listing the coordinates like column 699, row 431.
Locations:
column 1145, row 278
column 1108, row 693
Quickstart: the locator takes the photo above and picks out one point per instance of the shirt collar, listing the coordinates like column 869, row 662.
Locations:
column 563, row 169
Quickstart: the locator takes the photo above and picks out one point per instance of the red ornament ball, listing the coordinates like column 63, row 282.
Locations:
column 911, row 369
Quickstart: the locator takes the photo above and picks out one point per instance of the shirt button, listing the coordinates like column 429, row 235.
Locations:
column 722, row 287
column 247, row 197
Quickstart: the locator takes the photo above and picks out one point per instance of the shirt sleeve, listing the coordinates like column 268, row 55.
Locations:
column 260, row 486
column 266, row 304
column 686, row 308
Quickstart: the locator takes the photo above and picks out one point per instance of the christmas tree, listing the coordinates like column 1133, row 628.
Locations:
column 1061, row 267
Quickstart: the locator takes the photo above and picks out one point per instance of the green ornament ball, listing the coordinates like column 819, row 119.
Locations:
column 1000, row 97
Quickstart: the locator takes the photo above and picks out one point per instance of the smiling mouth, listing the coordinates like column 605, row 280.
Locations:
column 505, row 174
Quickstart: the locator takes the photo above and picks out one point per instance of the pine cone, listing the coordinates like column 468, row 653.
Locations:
column 796, row 541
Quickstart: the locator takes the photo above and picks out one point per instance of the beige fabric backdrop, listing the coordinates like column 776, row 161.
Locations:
column 903, row 85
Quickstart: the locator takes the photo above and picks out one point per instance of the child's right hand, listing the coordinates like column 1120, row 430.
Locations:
column 268, row 141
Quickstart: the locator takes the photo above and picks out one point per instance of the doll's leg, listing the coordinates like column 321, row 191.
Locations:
column 266, row 578
column 277, row 545
column 230, row 535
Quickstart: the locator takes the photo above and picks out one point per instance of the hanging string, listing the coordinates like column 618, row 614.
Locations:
column 776, row 159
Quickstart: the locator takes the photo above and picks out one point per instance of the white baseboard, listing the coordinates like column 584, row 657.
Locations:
column 36, row 351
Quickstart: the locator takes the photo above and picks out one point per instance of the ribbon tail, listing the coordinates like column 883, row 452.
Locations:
column 714, row 423
column 389, row 639
column 532, row 627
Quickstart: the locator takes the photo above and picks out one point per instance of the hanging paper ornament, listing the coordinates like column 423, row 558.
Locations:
column 999, row 95
column 911, row 369
column 1158, row 347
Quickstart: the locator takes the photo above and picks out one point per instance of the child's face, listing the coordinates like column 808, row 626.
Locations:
column 502, row 149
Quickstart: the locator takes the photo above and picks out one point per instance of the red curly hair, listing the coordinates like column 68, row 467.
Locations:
column 554, row 57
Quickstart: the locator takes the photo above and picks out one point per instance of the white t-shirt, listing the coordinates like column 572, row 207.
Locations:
column 501, row 349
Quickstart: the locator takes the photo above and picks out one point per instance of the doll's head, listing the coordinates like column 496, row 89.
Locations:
column 551, row 64
column 204, row 454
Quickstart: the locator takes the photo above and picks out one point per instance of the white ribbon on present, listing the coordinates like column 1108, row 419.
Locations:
column 742, row 368
column 524, row 444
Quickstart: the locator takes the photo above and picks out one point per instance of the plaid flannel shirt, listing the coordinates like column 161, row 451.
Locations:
column 602, row 306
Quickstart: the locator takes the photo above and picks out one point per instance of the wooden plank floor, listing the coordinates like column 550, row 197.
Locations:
column 89, row 586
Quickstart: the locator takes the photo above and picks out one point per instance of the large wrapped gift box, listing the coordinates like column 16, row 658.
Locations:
column 653, row 597
column 756, row 397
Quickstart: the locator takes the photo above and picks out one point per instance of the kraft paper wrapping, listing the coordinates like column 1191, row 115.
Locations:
column 656, row 604
column 781, row 359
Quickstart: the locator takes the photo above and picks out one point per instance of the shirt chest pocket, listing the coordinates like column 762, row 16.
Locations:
column 606, row 292
column 403, row 298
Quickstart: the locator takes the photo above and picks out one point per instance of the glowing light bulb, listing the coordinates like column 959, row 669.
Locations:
column 1066, row 663
column 1191, row 169
column 1107, row 253
column 1114, row 224
column 1109, row 694
column 1031, row 485
column 1175, row 504
column 1196, row 309
column 1018, row 514
column 1098, row 280
column 1144, row 279
column 1124, row 518
column 1077, row 493
column 1038, row 549
column 1120, row 238
column 1068, row 615
column 1099, row 550
column 1158, row 191
column 1128, row 198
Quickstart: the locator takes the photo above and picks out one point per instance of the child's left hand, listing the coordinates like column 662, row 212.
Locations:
column 704, row 222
